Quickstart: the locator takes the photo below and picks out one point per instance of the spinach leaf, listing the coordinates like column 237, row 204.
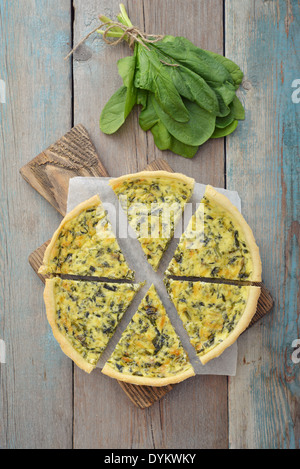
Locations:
column 196, row 131
column 225, row 94
column 192, row 87
column 152, row 76
column 189, row 85
column 236, row 112
column 187, row 151
column 234, row 70
column 186, row 53
column 218, row 133
column 149, row 120
column 162, row 137
column 126, row 67
column 148, row 116
column 121, row 103
column 187, row 95
column 113, row 115
column 237, row 109
column 222, row 122
column 226, row 91
column 141, row 97
column 165, row 141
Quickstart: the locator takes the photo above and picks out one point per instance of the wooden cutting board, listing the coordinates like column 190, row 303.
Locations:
column 49, row 173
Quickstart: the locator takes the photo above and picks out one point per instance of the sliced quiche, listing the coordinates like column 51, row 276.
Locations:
column 214, row 315
column 218, row 243
column 84, row 315
column 153, row 202
column 149, row 351
column 84, row 244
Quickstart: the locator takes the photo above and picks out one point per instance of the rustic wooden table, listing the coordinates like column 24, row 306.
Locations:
column 45, row 402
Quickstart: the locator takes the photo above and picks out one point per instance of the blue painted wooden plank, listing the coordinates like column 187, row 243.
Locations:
column 35, row 110
column 263, row 165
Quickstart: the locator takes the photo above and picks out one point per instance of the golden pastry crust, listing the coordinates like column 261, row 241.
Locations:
column 151, row 175
column 214, row 315
column 92, row 202
column 169, row 378
column 222, row 200
column 153, row 202
column 243, row 323
column 144, row 381
column 218, row 243
column 149, row 352
column 65, row 345
column 84, row 315
column 84, row 244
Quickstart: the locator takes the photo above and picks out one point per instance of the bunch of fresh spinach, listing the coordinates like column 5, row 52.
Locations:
column 187, row 95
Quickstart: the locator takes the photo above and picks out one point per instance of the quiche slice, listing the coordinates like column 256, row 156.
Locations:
column 84, row 244
column 153, row 202
column 149, row 351
column 218, row 243
column 214, row 315
column 84, row 315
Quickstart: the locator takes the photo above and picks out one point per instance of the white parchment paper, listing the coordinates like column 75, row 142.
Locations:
column 81, row 189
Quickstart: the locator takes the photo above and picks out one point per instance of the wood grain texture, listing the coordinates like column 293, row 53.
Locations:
column 263, row 164
column 144, row 396
column 113, row 422
column 50, row 171
column 264, row 306
column 36, row 259
column 35, row 391
column 36, row 398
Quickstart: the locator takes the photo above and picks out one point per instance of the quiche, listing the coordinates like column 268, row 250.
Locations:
column 84, row 244
column 218, row 243
column 149, row 351
column 84, row 315
column 213, row 314
column 153, row 202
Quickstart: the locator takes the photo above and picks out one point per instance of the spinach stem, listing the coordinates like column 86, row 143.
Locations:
column 107, row 20
column 125, row 16
column 111, row 33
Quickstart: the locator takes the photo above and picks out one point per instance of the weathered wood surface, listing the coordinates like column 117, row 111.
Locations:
column 42, row 405
column 49, row 172
column 263, row 165
column 36, row 390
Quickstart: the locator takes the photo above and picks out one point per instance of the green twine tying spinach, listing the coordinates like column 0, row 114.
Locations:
column 187, row 95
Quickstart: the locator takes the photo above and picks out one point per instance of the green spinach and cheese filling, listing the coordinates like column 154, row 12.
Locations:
column 149, row 351
column 153, row 202
column 214, row 315
column 84, row 315
column 85, row 244
column 218, row 243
